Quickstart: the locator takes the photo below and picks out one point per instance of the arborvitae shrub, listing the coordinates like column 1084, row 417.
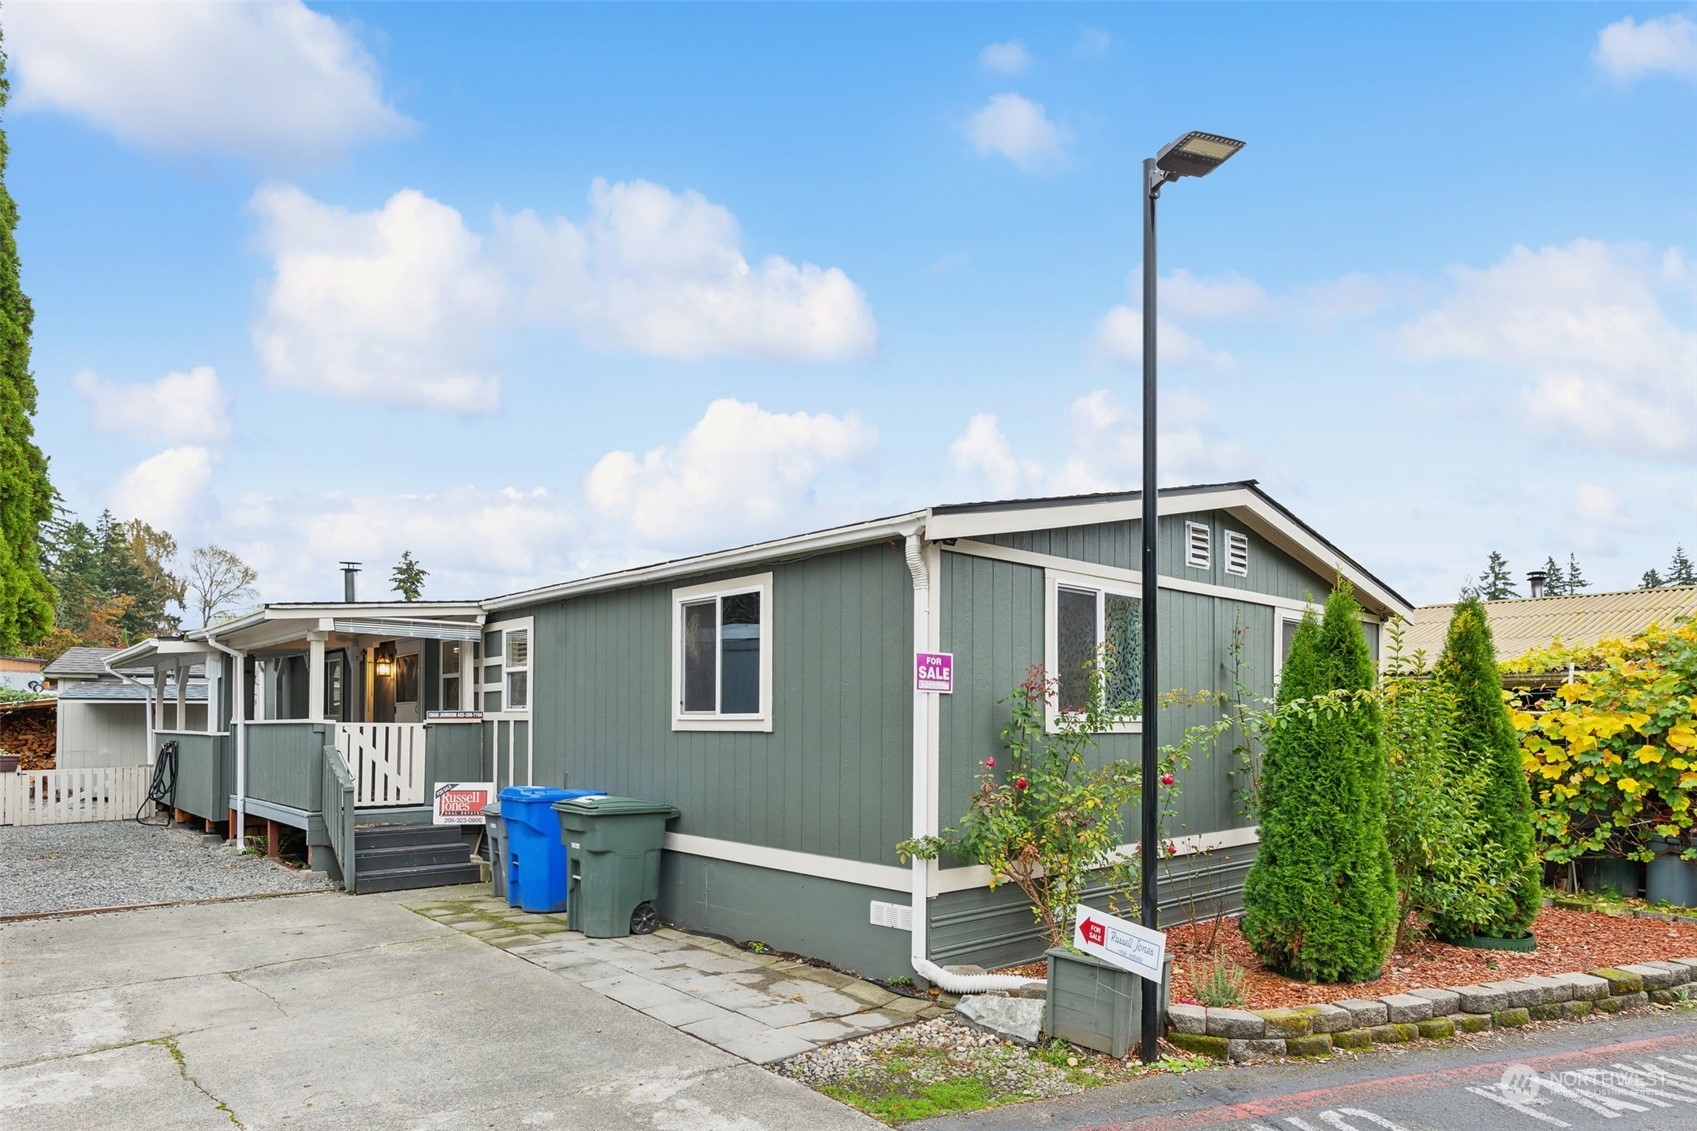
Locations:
column 1320, row 900
column 1485, row 733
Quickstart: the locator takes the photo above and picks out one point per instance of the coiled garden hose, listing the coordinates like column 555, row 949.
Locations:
column 163, row 789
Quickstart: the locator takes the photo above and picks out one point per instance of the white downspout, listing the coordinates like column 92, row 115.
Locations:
column 147, row 697
column 238, row 720
column 923, row 966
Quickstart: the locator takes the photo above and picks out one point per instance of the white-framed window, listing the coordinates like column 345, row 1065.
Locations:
column 722, row 655
column 1086, row 617
column 1285, row 624
column 1237, row 553
column 1198, row 546
column 503, row 671
column 448, row 669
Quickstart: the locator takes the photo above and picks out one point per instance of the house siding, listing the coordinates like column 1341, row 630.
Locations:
column 831, row 778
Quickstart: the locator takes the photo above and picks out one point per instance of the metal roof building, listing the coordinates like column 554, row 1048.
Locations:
column 1521, row 624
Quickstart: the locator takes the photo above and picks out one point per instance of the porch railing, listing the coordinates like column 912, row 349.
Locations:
column 337, row 804
column 386, row 761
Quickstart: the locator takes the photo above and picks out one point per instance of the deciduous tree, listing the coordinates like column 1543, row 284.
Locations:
column 218, row 581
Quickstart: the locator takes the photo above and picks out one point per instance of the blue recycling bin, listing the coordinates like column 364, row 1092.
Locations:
column 536, row 856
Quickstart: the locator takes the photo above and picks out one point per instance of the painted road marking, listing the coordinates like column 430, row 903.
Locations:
column 1340, row 1119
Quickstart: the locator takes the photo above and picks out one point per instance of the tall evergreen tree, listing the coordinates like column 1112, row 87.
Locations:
column 1320, row 900
column 1496, row 582
column 1468, row 667
column 1575, row 580
column 1680, row 569
column 26, row 498
column 1555, row 581
column 1650, row 580
column 408, row 576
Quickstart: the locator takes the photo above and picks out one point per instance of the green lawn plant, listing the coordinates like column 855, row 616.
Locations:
column 1044, row 817
column 1320, row 900
column 1468, row 670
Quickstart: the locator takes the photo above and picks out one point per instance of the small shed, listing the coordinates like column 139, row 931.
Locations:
column 102, row 715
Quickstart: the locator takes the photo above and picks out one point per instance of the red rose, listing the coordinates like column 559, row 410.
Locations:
column 1166, row 779
column 1021, row 783
column 991, row 762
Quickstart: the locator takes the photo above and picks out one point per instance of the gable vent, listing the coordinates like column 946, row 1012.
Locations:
column 1237, row 553
column 1197, row 550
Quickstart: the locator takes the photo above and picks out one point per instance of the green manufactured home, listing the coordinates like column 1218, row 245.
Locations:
column 769, row 693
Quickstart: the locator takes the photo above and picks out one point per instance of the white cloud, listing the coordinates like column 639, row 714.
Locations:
column 1102, row 450
column 661, row 273
column 740, row 469
column 276, row 82
column 1093, row 43
column 1219, row 298
column 982, row 451
column 389, row 306
column 168, row 491
column 178, row 408
column 1627, row 50
column 1598, row 514
column 1013, row 127
column 1009, row 58
column 1119, row 339
column 1583, row 323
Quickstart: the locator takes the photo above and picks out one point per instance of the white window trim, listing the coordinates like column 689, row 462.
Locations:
column 507, row 711
column 1054, row 581
column 1240, row 538
column 1282, row 617
column 697, row 720
column 443, row 675
column 1192, row 560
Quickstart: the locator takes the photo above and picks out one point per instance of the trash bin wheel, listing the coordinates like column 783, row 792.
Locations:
column 644, row 919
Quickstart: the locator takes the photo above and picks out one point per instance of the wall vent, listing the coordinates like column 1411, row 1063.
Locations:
column 1197, row 548
column 1237, row 553
column 897, row 915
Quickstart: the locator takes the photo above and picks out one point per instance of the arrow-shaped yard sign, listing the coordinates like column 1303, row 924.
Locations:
column 1130, row 946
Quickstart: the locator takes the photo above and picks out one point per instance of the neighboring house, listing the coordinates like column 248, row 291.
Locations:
column 103, row 717
column 21, row 673
column 769, row 693
column 1520, row 624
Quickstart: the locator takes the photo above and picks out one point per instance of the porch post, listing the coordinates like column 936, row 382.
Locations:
column 177, row 673
column 315, row 676
column 157, row 707
column 468, row 692
column 214, row 693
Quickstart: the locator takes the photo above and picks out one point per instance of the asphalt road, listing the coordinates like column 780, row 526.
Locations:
column 1633, row 1073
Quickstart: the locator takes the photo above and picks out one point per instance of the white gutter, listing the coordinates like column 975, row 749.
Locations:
column 923, row 966
column 147, row 695
column 238, row 720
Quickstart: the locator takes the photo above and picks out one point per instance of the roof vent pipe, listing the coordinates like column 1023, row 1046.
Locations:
column 1536, row 580
column 348, row 571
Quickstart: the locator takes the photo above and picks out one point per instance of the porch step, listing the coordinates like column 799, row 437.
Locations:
column 431, row 876
column 400, row 857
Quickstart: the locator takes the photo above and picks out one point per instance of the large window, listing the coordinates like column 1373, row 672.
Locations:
column 1091, row 620
column 722, row 659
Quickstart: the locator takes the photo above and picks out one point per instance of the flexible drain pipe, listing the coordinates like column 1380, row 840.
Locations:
column 238, row 720
column 923, row 966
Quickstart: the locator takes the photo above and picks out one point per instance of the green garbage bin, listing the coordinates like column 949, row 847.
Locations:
column 612, row 863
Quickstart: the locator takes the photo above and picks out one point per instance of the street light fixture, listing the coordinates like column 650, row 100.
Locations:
column 1196, row 154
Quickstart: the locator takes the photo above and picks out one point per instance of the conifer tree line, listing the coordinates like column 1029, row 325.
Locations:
column 1497, row 582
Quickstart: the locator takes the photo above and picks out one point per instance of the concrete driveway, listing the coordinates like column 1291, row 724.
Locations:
column 335, row 1011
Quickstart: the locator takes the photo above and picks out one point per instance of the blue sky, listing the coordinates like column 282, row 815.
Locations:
column 535, row 290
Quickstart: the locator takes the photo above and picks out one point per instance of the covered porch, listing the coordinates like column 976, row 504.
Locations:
column 329, row 719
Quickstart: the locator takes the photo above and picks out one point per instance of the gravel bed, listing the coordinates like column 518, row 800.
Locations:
column 113, row 863
column 928, row 1052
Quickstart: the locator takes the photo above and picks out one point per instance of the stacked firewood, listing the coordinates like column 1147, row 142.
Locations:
column 31, row 734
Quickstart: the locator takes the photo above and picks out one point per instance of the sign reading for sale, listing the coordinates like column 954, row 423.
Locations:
column 1130, row 946
column 934, row 671
column 462, row 802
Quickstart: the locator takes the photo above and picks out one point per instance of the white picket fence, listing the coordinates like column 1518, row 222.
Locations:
column 386, row 761
column 61, row 797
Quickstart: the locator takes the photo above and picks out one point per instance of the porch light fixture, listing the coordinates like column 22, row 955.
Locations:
column 385, row 664
column 1196, row 154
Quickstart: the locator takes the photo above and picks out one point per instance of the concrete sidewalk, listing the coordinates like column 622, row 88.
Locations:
column 757, row 1006
column 330, row 1011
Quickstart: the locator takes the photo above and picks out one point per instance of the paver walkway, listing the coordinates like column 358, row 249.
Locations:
column 756, row 1006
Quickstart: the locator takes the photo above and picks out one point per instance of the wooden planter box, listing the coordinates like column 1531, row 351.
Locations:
column 1095, row 1005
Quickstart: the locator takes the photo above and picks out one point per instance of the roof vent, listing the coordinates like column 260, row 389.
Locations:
column 349, row 569
column 1197, row 547
column 1237, row 553
column 1536, row 580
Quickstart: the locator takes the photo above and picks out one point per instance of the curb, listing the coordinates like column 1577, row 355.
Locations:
column 73, row 912
column 1431, row 1014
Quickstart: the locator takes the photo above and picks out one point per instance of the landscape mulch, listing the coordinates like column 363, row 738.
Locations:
column 1567, row 941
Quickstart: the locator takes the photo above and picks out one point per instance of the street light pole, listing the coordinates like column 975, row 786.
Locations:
column 1193, row 155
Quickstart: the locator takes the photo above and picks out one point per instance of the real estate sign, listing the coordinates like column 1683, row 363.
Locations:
column 934, row 671
column 461, row 802
column 1130, row 946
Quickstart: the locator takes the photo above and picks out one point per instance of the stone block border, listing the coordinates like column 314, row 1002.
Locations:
column 1432, row 1014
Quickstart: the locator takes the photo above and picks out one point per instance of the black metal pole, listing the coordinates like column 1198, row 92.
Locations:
column 1152, row 181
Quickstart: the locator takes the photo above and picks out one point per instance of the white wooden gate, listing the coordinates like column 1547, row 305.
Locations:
column 59, row 797
column 386, row 761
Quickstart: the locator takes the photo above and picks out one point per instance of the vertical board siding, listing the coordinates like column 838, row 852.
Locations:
column 285, row 763
column 203, row 783
column 832, row 776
